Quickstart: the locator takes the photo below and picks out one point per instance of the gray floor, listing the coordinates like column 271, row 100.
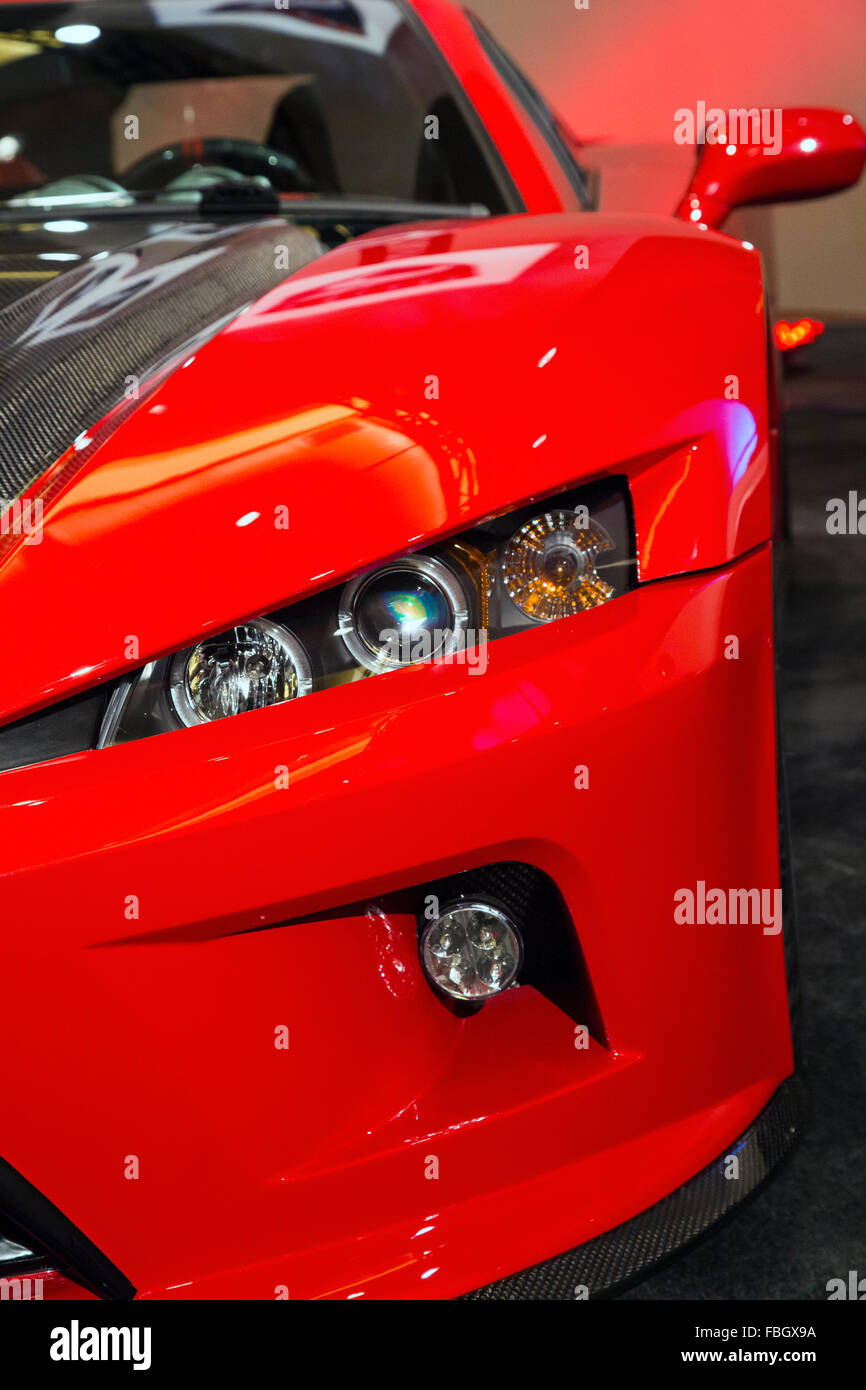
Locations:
column 809, row 1225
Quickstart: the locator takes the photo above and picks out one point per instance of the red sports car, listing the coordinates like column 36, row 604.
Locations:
column 391, row 894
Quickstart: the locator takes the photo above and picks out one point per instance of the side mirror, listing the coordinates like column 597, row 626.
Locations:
column 797, row 153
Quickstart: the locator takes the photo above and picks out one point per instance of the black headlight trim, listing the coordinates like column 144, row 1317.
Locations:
column 58, row 1244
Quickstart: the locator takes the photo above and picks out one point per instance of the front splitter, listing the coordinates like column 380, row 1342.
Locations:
column 629, row 1252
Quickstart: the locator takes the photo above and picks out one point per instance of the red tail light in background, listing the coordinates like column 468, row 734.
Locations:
column 791, row 335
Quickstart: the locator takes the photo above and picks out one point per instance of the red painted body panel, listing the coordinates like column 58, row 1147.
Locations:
column 315, row 400
column 173, row 1058
column 264, row 1169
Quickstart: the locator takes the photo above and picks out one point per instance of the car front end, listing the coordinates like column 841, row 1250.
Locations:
column 257, row 1058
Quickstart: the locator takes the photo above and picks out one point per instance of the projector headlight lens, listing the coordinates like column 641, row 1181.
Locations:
column 248, row 667
column 549, row 566
column 472, row 951
column 412, row 610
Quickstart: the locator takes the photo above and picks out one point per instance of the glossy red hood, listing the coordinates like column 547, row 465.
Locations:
column 390, row 393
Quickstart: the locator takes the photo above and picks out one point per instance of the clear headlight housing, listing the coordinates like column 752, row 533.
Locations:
column 414, row 609
column 256, row 664
column 536, row 564
column 549, row 567
column 19, row 1255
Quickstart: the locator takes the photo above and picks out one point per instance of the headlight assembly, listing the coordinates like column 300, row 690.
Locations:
column 518, row 570
column 535, row 564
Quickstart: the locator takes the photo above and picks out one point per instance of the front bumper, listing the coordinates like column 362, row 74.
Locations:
column 179, row 910
column 630, row 1252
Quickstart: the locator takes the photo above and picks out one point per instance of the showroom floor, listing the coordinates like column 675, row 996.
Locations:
column 809, row 1225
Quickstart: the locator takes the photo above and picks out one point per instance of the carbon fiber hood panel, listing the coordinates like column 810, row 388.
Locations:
column 73, row 346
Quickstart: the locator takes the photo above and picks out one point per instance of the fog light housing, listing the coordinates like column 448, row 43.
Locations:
column 471, row 951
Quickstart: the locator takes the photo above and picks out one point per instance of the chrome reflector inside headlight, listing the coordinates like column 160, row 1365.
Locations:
column 11, row 1252
column 248, row 667
column 549, row 566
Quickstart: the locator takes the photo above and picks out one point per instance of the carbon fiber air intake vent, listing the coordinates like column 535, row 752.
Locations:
column 68, row 347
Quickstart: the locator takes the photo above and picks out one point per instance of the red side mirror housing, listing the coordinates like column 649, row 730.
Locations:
column 816, row 151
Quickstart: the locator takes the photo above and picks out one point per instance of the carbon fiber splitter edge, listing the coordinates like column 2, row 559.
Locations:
column 622, row 1256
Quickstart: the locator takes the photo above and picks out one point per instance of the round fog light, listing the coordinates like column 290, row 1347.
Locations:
column 472, row 951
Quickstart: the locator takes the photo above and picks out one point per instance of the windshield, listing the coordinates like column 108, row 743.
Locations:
column 114, row 103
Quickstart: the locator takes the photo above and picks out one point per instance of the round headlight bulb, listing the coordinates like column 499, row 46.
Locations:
column 409, row 611
column 550, row 566
column 252, row 665
column 472, row 951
